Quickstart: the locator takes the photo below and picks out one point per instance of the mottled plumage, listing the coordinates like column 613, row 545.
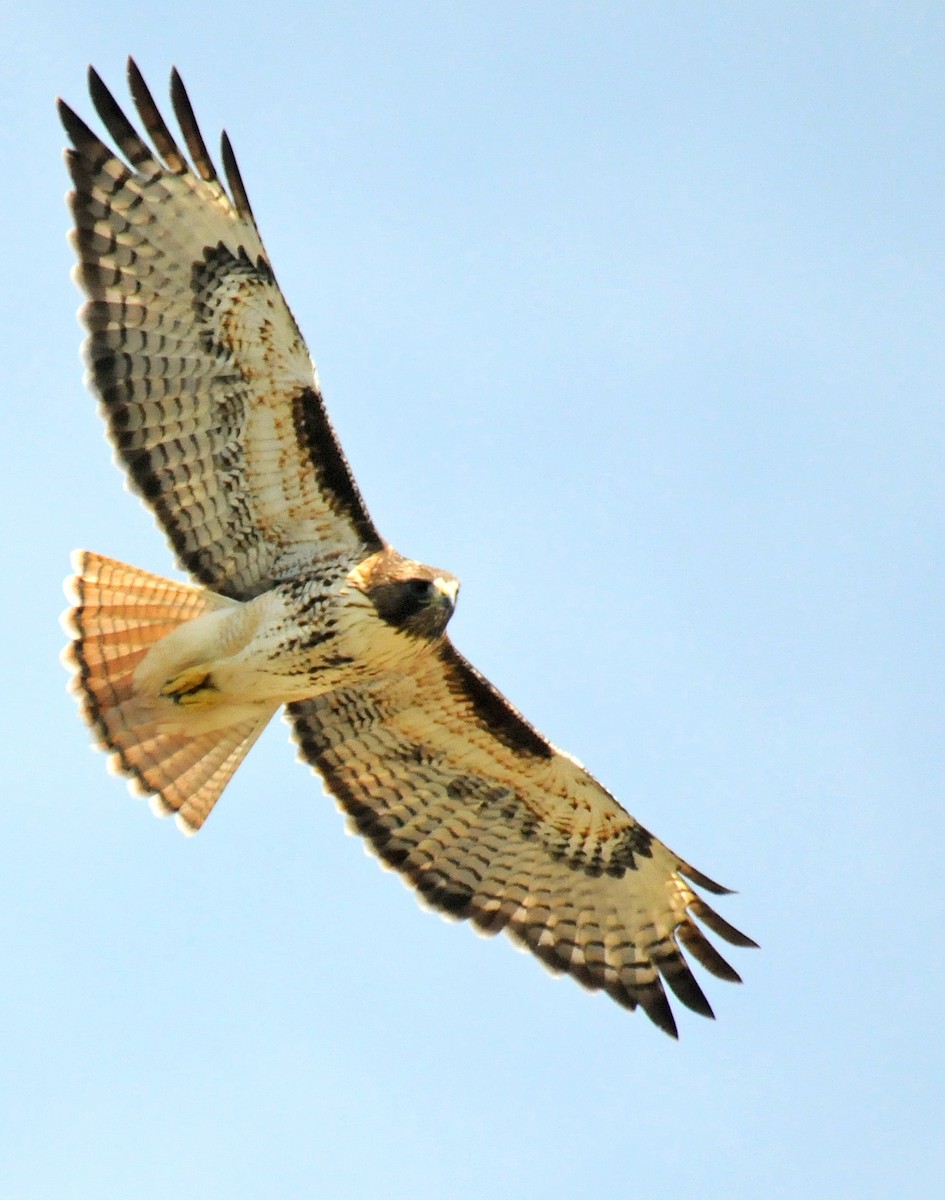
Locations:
column 213, row 405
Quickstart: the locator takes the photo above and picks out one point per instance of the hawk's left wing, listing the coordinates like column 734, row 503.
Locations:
column 487, row 820
column 209, row 392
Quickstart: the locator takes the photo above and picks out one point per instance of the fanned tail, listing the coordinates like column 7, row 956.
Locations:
column 120, row 613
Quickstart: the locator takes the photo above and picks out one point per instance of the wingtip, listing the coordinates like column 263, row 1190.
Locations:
column 76, row 129
column 669, row 1027
column 133, row 74
column 98, row 89
column 704, row 881
column 718, row 925
column 178, row 90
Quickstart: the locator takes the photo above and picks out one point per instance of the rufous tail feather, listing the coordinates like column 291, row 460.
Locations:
column 119, row 614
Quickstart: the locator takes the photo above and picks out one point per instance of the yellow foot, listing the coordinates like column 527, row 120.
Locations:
column 193, row 687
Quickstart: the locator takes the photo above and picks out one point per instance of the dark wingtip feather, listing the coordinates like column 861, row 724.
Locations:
column 683, row 983
column 235, row 180
column 704, row 881
column 114, row 119
column 96, row 83
column 78, row 132
column 709, row 917
column 654, row 1003
column 153, row 122
column 702, row 950
column 193, row 138
column 68, row 117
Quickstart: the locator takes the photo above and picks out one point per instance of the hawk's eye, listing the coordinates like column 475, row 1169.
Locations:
column 421, row 588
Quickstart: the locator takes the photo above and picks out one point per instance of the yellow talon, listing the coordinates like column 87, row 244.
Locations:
column 193, row 687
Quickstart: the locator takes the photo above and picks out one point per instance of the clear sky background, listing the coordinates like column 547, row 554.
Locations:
column 631, row 315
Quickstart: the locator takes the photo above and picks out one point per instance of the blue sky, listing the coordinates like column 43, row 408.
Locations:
column 631, row 315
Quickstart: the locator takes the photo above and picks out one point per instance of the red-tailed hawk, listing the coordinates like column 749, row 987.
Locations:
column 214, row 408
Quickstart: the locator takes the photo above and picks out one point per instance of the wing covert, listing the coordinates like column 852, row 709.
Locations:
column 477, row 811
column 211, row 398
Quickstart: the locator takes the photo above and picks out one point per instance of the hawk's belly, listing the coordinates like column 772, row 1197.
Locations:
column 291, row 643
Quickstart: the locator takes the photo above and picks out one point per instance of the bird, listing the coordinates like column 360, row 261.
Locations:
column 296, row 602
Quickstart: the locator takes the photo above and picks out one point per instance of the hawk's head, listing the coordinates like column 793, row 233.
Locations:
column 412, row 597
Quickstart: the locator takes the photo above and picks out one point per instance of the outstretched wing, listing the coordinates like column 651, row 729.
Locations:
column 211, row 398
column 487, row 820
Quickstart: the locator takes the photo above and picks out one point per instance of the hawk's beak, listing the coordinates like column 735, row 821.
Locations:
column 445, row 592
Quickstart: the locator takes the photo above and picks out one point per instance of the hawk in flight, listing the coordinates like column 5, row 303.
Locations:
column 214, row 408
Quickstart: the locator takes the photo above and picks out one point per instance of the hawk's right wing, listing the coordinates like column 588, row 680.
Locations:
column 210, row 395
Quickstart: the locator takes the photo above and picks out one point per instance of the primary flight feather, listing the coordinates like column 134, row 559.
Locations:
column 214, row 408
